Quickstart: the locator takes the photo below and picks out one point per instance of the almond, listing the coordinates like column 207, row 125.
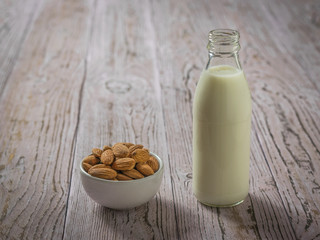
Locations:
column 107, row 157
column 133, row 173
column 100, row 166
column 122, row 177
column 120, row 150
column 96, row 152
column 140, row 155
column 134, row 147
column 153, row 163
column 106, row 173
column 86, row 166
column 124, row 164
column 145, row 169
column 106, row 147
column 146, row 149
column 91, row 159
column 127, row 144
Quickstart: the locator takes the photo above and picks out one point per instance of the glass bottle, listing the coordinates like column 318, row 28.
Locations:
column 221, row 125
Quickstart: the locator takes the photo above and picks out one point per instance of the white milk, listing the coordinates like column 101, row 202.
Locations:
column 221, row 137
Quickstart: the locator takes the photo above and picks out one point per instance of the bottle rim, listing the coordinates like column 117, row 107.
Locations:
column 224, row 36
column 223, row 41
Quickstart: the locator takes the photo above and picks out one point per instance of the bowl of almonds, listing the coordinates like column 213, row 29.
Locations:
column 121, row 176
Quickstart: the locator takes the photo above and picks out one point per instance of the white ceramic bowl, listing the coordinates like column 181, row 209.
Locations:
column 122, row 194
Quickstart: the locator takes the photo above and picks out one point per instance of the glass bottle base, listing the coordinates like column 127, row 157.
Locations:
column 222, row 206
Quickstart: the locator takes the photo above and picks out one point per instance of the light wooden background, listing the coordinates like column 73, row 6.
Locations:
column 76, row 74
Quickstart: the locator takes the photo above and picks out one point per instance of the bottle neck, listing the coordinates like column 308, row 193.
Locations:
column 232, row 61
column 223, row 48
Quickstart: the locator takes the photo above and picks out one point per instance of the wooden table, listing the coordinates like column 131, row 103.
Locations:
column 76, row 74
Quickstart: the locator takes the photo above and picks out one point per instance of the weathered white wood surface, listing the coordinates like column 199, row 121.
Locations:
column 79, row 74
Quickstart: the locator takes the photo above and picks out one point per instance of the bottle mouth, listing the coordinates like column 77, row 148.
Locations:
column 225, row 36
column 223, row 41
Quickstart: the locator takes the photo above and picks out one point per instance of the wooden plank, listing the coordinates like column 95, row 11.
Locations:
column 297, row 27
column 16, row 18
column 121, row 103
column 39, row 116
column 287, row 114
column 283, row 183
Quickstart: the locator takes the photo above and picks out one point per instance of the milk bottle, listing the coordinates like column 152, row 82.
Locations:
column 221, row 125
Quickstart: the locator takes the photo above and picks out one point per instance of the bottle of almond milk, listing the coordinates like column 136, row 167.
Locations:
column 221, row 125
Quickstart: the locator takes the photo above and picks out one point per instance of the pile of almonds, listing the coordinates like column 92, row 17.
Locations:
column 121, row 162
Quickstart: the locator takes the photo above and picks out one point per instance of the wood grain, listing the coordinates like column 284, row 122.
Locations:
column 298, row 34
column 16, row 19
column 121, row 103
column 81, row 74
column 39, row 111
